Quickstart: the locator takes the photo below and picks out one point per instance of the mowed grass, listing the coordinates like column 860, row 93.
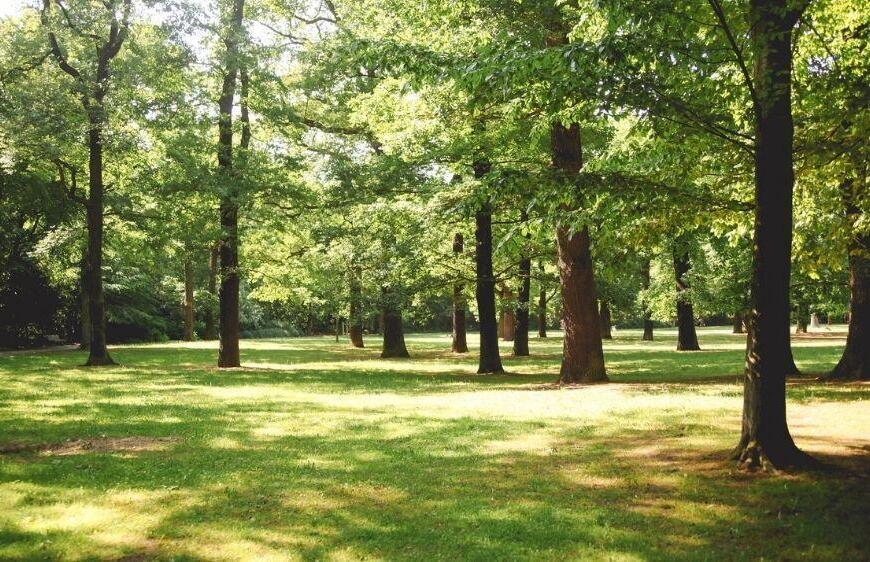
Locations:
column 315, row 451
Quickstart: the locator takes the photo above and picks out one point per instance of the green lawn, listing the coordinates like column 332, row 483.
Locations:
column 315, row 451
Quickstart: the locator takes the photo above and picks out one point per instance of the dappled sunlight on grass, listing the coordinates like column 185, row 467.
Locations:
column 315, row 450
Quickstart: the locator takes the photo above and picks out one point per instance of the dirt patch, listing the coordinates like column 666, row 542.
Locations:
column 93, row 445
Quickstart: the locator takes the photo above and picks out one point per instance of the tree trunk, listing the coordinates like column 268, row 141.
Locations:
column 521, row 332
column 687, row 337
column 210, row 328
column 507, row 320
column 801, row 320
column 85, row 308
column 582, row 350
column 187, row 307
column 738, row 323
column 490, row 359
column 542, row 306
column 98, row 353
column 605, row 320
column 765, row 440
column 855, row 363
column 460, row 343
column 228, row 296
column 394, row 335
column 356, row 319
column 647, row 314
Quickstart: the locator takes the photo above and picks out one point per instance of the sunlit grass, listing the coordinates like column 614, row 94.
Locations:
column 314, row 450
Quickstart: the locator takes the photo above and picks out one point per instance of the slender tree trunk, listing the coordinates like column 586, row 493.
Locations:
column 460, row 343
column 647, row 314
column 765, row 440
column 605, row 320
column 490, row 358
column 507, row 320
column 738, row 323
column 85, row 307
column 542, row 306
column 98, row 351
column 188, row 301
column 801, row 320
column 521, row 332
column 855, row 362
column 210, row 327
column 356, row 318
column 582, row 350
column 394, row 335
column 687, row 337
column 228, row 296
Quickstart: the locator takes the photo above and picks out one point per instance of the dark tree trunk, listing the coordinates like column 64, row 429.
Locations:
column 605, row 320
column 765, row 440
column 521, row 332
column 98, row 351
column 801, row 320
column 738, row 323
column 460, row 343
column 356, row 319
column 647, row 314
column 394, row 335
column 507, row 321
column 542, row 306
column 490, row 358
column 210, row 327
column 228, row 295
column 855, row 363
column 85, row 308
column 687, row 337
column 187, row 307
column 582, row 350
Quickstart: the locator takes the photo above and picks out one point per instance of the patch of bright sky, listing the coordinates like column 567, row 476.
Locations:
column 12, row 7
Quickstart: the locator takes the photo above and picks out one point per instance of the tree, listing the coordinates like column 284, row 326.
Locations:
column 92, row 88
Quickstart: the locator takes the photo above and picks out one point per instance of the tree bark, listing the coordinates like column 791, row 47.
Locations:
column 738, row 323
column 507, row 321
column 210, row 332
column 85, row 307
column 228, row 295
column 647, row 314
column 582, row 350
column 605, row 320
column 490, row 358
column 356, row 319
column 765, row 440
column 855, row 362
column 394, row 335
column 521, row 332
column 801, row 320
column 460, row 343
column 542, row 306
column 187, row 307
column 687, row 336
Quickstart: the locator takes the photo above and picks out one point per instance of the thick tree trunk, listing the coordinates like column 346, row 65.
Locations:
column 356, row 319
column 521, row 333
column 394, row 335
column 507, row 321
column 187, row 307
column 98, row 353
column 490, row 358
column 737, row 327
column 228, row 295
column 765, row 440
column 855, row 363
column 687, row 336
column 460, row 343
column 210, row 332
column 605, row 321
column 542, row 306
column 85, row 308
column 647, row 314
column 582, row 350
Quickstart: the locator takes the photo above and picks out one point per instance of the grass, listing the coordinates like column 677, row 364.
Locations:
column 315, row 451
